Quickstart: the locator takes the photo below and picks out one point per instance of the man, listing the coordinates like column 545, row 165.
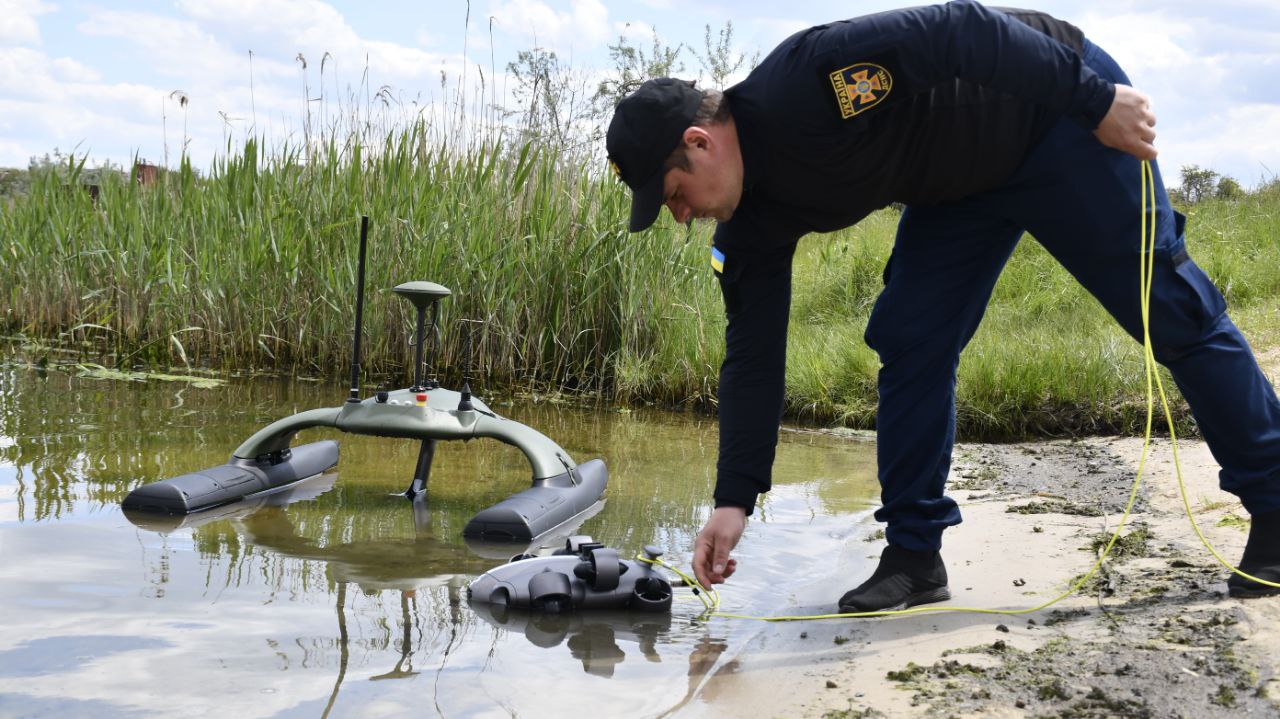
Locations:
column 985, row 124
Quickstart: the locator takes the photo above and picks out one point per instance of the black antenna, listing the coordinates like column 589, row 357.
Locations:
column 464, row 403
column 432, row 383
column 355, row 349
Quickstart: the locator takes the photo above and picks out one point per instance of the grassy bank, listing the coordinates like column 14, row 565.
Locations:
column 1047, row 360
column 253, row 266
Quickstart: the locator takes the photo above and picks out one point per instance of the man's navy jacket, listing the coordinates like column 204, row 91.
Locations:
column 919, row 106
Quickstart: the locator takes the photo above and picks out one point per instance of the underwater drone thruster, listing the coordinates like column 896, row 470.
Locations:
column 561, row 491
column 583, row 575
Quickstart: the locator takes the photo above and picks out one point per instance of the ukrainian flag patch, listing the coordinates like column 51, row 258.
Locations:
column 717, row 260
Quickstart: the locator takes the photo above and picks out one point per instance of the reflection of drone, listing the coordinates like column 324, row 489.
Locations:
column 561, row 489
column 593, row 637
column 403, row 563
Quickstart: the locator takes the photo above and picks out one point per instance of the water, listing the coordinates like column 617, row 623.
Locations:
column 335, row 598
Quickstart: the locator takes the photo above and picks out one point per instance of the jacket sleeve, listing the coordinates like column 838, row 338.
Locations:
column 962, row 39
column 757, row 298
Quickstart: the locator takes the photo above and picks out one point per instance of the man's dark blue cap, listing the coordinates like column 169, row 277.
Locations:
column 647, row 126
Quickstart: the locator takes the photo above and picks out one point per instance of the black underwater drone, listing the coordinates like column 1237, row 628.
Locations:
column 582, row 575
column 562, row 489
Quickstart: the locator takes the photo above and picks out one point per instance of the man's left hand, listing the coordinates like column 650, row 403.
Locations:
column 1129, row 124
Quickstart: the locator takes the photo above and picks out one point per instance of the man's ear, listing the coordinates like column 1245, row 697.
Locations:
column 696, row 137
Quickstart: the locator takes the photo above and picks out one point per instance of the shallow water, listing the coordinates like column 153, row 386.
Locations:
column 336, row 598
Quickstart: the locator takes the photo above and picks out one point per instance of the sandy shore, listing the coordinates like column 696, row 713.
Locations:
column 1155, row 635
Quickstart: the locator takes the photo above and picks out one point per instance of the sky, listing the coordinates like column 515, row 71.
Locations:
column 115, row 80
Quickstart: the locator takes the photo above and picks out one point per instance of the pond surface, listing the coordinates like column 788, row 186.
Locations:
column 336, row 598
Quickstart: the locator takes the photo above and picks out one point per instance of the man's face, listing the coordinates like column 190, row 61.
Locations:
column 711, row 187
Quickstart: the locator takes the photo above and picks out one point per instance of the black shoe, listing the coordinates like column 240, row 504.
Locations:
column 902, row 579
column 1261, row 559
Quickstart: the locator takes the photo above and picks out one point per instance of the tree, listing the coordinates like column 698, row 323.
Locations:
column 1228, row 188
column 1197, row 183
column 718, row 60
column 632, row 65
column 551, row 97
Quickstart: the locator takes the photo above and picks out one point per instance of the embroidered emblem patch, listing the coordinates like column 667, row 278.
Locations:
column 717, row 260
column 860, row 87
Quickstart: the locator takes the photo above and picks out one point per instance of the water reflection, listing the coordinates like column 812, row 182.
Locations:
column 311, row 601
column 51, row 655
column 592, row 637
column 371, row 562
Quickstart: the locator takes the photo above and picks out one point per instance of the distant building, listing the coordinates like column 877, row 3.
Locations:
column 146, row 173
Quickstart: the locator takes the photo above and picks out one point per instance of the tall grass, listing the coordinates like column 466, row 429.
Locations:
column 253, row 266
column 1047, row 359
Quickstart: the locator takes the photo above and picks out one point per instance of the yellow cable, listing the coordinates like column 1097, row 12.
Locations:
column 710, row 597
column 1146, row 271
column 1149, row 186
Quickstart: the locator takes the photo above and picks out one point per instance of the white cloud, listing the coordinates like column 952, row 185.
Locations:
column 279, row 25
column 24, row 73
column 310, row 27
column 12, row 154
column 67, row 70
column 27, row 74
column 1143, row 44
column 584, row 25
column 1209, row 67
column 284, row 29
column 636, row 32
column 18, row 25
column 206, row 54
column 426, row 36
column 170, row 46
column 1243, row 141
column 107, row 122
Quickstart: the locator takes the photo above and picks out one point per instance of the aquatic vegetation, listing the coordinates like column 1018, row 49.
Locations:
column 94, row 371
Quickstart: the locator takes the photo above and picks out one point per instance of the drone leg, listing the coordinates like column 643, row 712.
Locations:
column 421, row 516
column 423, row 470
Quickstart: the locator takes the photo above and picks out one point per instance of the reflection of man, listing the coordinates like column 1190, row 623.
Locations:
column 985, row 124
column 596, row 646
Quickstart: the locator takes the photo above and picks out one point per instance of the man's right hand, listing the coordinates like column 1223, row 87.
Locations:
column 711, row 562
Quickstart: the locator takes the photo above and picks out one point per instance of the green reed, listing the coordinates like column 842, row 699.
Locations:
column 253, row 266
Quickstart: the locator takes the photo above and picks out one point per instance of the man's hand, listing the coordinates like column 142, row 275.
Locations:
column 1129, row 124
column 711, row 563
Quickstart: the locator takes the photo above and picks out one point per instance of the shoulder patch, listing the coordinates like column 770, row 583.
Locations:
column 860, row 87
column 717, row 260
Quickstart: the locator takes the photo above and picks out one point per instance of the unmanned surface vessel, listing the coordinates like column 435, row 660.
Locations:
column 266, row 462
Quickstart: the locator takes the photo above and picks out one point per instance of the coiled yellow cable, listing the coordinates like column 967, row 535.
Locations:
column 1148, row 189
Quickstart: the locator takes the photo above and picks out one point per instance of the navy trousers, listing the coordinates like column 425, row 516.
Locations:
column 1082, row 202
